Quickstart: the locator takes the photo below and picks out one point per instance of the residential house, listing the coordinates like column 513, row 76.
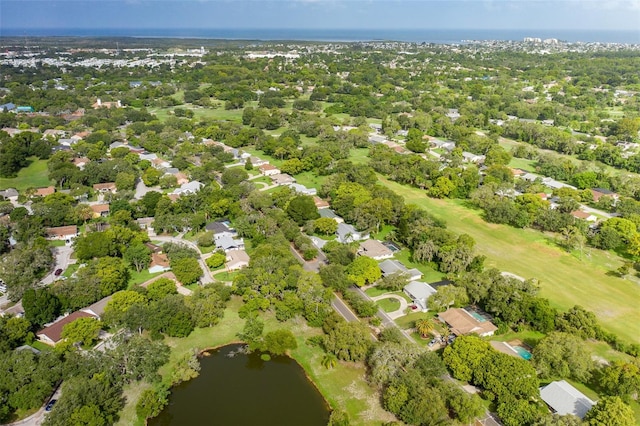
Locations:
column 52, row 334
column 7, row 107
column 563, row 399
column 66, row 142
column 392, row 266
column 579, row 214
column 108, row 105
column 375, row 139
column 237, row 259
column 9, row 194
column 320, row 203
column 419, row 292
column 97, row 309
column 181, row 178
column 160, row 163
column 301, row 189
column 188, row 188
column 66, row 233
column 375, row 250
column 153, row 247
column 80, row 162
column 268, row 170
column 149, row 156
column 330, row 214
column 600, row 192
column 282, row 179
column 227, row 242
column 100, row 210
column 43, row 192
column 159, row 263
column 105, row 187
column 462, row 322
column 256, row 161
column 446, row 145
column 145, row 222
column 54, row 133
column 554, row 184
column 219, row 228
column 347, row 233
column 469, row 157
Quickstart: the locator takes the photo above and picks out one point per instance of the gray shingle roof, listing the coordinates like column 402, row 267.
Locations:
column 565, row 399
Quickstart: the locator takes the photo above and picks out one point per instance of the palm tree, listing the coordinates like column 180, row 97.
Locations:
column 329, row 361
column 424, row 327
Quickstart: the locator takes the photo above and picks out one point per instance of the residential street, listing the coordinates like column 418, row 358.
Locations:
column 206, row 273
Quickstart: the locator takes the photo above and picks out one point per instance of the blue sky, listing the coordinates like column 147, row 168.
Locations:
column 322, row 14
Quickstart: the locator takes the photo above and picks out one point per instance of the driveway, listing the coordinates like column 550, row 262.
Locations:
column 62, row 257
column 401, row 311
column 142, row 189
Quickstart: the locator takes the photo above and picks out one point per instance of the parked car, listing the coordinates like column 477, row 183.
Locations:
column 50, row 405
column 57, row 272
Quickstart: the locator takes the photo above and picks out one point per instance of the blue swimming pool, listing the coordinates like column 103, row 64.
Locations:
column 525, row 354
column 477, row 316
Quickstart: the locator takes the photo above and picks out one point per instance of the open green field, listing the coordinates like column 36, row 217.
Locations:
column 32, row 176
column 564, row 278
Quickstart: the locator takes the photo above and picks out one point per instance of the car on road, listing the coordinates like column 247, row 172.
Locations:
column 57, row 272
column 50, row 405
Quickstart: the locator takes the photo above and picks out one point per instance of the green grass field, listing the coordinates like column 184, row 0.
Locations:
column 32, row 176
column 388, row 305
column 564, row 278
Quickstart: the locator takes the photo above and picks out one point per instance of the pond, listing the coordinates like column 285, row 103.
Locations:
column 235, row 388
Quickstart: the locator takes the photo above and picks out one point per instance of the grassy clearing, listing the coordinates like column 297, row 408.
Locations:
column 564, row 278
column 310, row 180
column 32, row 176
column 71, row 269
column 388, row 305
column 429, row 274
column 140, row 277
column 524, row 164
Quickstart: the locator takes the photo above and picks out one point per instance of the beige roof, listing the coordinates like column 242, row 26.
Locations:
column 170, row 275
column 107, row 185
column 461, row 322
column 61, row 231
column 43, row 192
column 265, row 167
column 100, row 208
column 237, row 256
column 374, row 249
column 159, row 259
column 320, row 203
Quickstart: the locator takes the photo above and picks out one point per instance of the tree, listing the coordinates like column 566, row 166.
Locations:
column 278, row 342
column 234, row 176
column 207, row 304
column 329, row 361
column 170, row 315
column 161, row 288
column 621, row 379
column 138, row 255
column 151, row 176
column 563, row 355
column 394, row 282
column 465, row 355
column 349, row 341
column 325, row 226
column 248, row 165
column 216, row 260
column 83, row 330
column 252, row 332
column 94, row 244
column 363, row 271
column 424, row 327
column 610, row 411
column 302, row 208
column 40, row 306
column 151, row 402
column 389, row 360
column 187, row 270
column 125, row 181
column 447, row 296
column 120, row 303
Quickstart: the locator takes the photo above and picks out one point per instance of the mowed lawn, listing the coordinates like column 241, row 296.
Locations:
column 35, row 175
column 564, row 278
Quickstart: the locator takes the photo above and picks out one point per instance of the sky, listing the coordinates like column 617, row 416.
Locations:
column 321, row 14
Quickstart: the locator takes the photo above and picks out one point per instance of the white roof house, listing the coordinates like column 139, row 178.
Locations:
column 301, row 189
column 419, row 292
column 563, row 399
column 391, row 266
column 189, row 188
column 227, row 242
column 347, row 233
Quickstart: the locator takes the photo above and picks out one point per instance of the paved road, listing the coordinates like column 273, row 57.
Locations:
column 206, row 273
column 387, row 321
column 62, row 256
column 142, row 189
column 401, row 311
column 340, row 307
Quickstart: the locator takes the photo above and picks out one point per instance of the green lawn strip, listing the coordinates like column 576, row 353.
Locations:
column 310, row 179
column 528, row 337
column 429, row 274
column 359, row 155
column 565, row 279
column 71, row 269
column 388, row 304
column 140, row 277
column 56, row 243
column 523, row 163
column 226, row 276
column 382, row 234
column 35, row 175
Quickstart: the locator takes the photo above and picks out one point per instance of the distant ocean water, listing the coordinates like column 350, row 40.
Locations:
column 449, row 36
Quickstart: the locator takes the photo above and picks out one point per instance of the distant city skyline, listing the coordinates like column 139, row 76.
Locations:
column 321, row 14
